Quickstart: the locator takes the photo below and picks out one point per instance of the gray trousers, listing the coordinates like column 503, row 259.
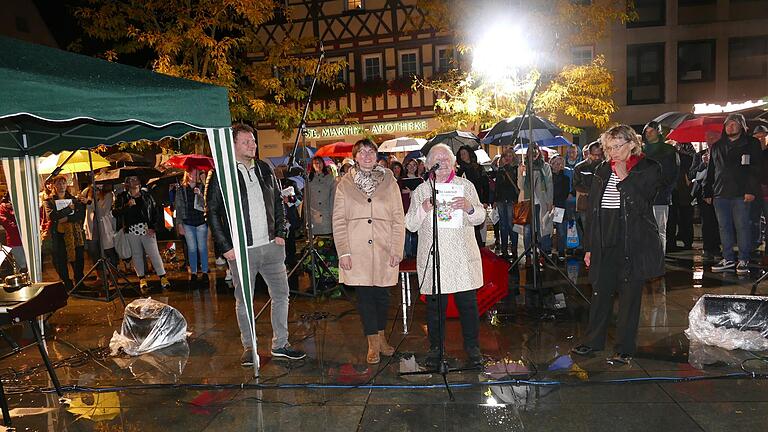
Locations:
column 269, row 260
column 144, row 244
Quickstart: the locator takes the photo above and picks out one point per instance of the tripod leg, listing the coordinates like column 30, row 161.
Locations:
column 565, row 276
column 758, row 282
column 263, row 308
column 46, row 359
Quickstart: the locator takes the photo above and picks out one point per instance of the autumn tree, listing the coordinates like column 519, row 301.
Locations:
column 214, row 41
column 467, row 99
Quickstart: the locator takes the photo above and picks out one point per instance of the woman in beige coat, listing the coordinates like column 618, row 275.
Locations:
column 461, row 268
column 369, row 233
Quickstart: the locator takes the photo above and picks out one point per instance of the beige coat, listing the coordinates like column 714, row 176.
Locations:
column 461, row 268
column 369, row 230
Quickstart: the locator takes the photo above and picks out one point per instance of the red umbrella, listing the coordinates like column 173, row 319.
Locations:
column 339, row 149
column 193, row 161
column 695, row 130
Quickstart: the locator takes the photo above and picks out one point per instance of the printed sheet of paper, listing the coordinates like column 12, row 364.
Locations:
column 559, row 214
column 446, row 216
column 63, row 203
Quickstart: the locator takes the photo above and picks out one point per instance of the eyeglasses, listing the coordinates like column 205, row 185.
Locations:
column 616, row 147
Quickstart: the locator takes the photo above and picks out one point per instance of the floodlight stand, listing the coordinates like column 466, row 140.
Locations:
column 535, row 246
column 108, row 270
column 309, row 251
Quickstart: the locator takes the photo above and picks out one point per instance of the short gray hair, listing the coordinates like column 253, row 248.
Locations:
column 438, row 147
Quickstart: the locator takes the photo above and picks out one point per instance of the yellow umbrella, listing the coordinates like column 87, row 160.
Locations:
column 78, row 162
column 95, row 406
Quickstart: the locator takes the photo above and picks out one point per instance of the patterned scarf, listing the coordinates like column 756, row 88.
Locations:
column 368, row 181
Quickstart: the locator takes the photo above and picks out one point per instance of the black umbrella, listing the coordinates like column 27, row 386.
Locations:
column 454, row 140
column 118, row 175
column 128, row 159
column 672, row 119
column 502, row 133
column 171, row 175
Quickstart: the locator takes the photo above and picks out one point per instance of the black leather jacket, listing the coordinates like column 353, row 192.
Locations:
column 150, row 210
column 642, row 243
column 273, row 203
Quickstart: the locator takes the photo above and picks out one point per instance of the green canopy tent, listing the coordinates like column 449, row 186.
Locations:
column 54, row 100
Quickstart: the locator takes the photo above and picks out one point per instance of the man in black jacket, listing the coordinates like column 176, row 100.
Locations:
column 582, row 182
column 732, row 183
column 656, row 149
column 265, row 232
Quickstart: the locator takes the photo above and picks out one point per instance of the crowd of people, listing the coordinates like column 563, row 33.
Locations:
column 620, row 202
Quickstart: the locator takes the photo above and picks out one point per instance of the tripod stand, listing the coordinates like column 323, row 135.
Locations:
column 106, row 267
column 309, row 250
column 534, row 248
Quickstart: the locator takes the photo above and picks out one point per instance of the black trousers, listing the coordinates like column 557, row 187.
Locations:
column 372, row 305
column 684, row 225
column 612, row 280
column 60, row 261
column 710, row 230
column 466, row 303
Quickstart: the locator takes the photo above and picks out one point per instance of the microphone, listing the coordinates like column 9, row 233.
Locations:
column 434, row 168
column 322, row 47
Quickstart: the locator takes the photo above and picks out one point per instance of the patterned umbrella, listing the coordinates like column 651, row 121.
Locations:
column 672, row 119
column 531, row 127
column 454, row 140
column 402, row 144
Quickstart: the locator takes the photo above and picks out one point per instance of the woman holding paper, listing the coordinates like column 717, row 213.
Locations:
column 623, row 246
column 461, row 268
column 191, row 222
column 369, row 234
column 66, row 214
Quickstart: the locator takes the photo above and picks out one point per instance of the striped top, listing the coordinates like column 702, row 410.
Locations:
column 611, row 197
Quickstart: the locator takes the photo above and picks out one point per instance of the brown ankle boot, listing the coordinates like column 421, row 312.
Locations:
column 384, row 347
column 373, row 349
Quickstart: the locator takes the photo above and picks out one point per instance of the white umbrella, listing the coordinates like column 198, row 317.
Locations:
column 402, row 144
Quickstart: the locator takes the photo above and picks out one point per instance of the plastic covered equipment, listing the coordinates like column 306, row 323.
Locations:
column 148, row 325
column 730, row 322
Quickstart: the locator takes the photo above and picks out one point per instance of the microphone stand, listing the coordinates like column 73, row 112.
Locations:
column 437, row 294
column 535, row 247
column 309, row 250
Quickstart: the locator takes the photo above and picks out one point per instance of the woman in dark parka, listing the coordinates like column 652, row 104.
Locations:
column 623, row 246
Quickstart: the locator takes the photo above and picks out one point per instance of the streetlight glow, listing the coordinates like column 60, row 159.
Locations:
column 501, row 52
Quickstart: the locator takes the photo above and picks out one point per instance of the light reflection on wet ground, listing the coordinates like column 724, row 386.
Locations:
column 522, row 339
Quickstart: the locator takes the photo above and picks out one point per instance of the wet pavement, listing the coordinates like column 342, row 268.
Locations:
column 526, row 383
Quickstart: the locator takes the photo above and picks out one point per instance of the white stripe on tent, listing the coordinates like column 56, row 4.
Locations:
column 23, row 185
column 222, row 149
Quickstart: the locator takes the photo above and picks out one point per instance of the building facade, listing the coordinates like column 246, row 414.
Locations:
column 683, row 52
column 384, row 43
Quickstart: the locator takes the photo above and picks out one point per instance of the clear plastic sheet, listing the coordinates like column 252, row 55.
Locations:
column 148, row 325
column 165, row 365
column 730, row 322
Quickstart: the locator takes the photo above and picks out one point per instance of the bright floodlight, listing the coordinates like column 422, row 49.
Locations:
column 501, row 52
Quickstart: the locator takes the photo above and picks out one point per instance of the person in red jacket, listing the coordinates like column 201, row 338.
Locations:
column 12, row 237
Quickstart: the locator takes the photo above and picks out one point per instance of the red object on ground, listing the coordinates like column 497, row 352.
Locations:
column 695, row 130
column 193, row 161
column 339, row 149
column 495, row 284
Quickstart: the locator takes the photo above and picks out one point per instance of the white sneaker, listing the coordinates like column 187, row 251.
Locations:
column 228, row 276
column 723, row 265
column 742, row 268
column 220, row 261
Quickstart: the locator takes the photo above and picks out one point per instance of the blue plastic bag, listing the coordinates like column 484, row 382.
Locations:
column 572, row 239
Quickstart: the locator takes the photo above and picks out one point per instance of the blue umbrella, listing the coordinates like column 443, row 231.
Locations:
column 557, row 141
column 540, row 128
